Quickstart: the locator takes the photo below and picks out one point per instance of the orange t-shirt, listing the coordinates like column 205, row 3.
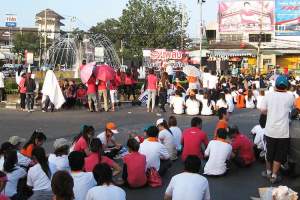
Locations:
column 28, row 151
column 297, row 103
column 240, row 101
column 221, row 124
column 191, row 79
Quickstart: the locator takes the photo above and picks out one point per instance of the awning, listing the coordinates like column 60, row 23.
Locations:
column 232, row 53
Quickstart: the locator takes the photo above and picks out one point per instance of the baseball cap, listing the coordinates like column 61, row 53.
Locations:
column 281, row 81
column 113, row 127
column 58, row 143
column 14, row 140
column 159, row 121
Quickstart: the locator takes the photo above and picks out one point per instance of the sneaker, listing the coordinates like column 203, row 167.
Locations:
column 276, row 179
column 265, row 174
column 43, row 111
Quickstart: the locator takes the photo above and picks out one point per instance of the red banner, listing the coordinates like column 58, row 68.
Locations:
column 163, row 54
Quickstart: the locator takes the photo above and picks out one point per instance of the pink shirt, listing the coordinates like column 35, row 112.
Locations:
column 136, row 167
column 22, row 86
column 128, row 80
column 93, row 159
column 152, row 82
column 192, row 138
column 91, row 84
column 102, row 85
column 81, row 145
column 113, row 85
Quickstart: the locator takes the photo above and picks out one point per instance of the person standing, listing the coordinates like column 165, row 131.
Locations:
column 92, row 96
column 22, row 91
column 170, row 72
column 151, row 88
column 30, row 88
column 277, row 105
column 163, row 86
column 102, row 91
column 2, row 89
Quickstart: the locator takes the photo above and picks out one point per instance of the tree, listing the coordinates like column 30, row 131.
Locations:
column 29, row 41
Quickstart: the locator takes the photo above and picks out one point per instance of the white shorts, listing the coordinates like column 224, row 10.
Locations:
column 113, row 96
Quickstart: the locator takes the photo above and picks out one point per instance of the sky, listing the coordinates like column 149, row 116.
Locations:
column 89, row 12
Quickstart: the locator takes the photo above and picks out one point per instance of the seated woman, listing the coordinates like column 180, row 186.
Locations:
column 192, row 104
column 177, row 103
column 37, row 139
column 208, row 105
column 81, row 142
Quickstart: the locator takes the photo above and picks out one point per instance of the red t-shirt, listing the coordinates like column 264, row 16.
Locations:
column 244, row 146
column 81, row 93
column 151, row 80
column 102, row 85
column 93, row 159
column 128, row 80
column 113, row 85
column 136, row 167
column 192, row 138
column 22, row 87
column 2, row 197
column 118, row 80
column 80, row 145
column 91, row 85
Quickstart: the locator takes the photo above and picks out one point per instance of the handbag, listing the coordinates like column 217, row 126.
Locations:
column 153, row 178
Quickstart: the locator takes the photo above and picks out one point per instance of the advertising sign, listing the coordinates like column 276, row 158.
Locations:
column 239, row 16
column 287, row 17
column 11, row 20
column 163, row 54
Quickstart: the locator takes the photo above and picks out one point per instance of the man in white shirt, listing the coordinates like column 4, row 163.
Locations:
column 157, row 155
column 218, row 152
column 213, row 81
column 189, row 184
column 1, row 85
column 205, row 78
column 277, row 105
column 83, row 181
column 170, row 71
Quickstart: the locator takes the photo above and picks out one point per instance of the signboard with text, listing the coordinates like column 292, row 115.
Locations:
column 249, row 15
column 287, row 17
column 11, row 20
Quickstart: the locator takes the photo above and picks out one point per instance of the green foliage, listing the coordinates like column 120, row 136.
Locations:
column 29, row 41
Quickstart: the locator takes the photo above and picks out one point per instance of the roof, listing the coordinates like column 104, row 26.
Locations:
column 49, row 13
column 40, row 21
column 230, row 45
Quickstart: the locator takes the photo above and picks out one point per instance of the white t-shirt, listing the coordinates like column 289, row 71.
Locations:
column 167, row 139
column 234, row 94
column 278, row 106
column 213, row 81
column 218, row 153
column 192, row 107
column 259, row 100
column 221, row 104
column 103, row 139
column 1, row 80
column 205, row 79
column 250, row 103
column 178, row 105
column 169, row 70
column 207, row 110
column 154, row 151
column 83, row 182
column 13, row 178
column 60, row 162
column 23, row 160
column 229, row 101
column 106, row 192
column 255, row 93
column 1, row 163
column 177, row 135
column 38, row 179
column 189, row 186
column 259, row 133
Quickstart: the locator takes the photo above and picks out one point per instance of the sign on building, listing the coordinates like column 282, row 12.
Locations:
column 11, row 20
column 29, row 58
column 240, row 16
column 287, row 17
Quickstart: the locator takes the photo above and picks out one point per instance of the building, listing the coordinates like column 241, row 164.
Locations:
column 50, row 21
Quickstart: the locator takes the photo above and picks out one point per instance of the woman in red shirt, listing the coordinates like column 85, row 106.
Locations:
column 152, row 89
column 22, row 90
column 82, row 141
column 134, row 169
column 96, row 157
column 128, row 84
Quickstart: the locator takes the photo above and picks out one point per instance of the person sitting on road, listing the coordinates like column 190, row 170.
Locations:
column 3, row 181
column 37, row 139
column 240, row 99
column 223, row 120
column 62, row 185
column 192, row 104
column 96, row 157
column 221, row 103
column 109, row 144
column 193, row 139
column 60, row 156
column 218, row 152
column 23, row 161
column 83, row 181
column 258, row 131
column 157, row 155
column 134, row 169
column 82, row 141
column 177, row 133
column 250, row 99
column 208, row 105
column 105, row 189
column 177, row 103
column 188, row 184
column 242, row 148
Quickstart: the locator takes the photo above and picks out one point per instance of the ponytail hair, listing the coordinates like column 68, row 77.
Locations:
column 10, row 161
column 39, row 155
column 96, row 147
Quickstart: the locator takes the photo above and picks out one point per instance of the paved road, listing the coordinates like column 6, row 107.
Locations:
column 239, row 184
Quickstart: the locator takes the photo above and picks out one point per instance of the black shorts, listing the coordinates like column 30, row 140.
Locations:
column 277, row 149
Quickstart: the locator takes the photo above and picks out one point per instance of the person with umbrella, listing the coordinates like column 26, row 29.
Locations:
column 92, row 95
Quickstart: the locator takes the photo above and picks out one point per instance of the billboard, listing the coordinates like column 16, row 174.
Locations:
column 287, row 17
column 240, row 16
column 11, row 20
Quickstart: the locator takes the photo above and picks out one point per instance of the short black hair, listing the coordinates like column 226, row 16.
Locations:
column 133, row 144
column 262, row 120
column 233, row 130
column 152, row 131
column 196, row 121
column 6, row 146
column 222, row 112
column 172, row 121
column 192, row 164
column 102, row 174
column 76, row 160
column 62, row 185
column 222, row 133
column 178, row 92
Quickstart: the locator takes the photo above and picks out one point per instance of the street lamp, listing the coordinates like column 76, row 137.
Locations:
column 200, row 2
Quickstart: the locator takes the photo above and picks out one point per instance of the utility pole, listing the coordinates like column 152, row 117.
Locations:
column 201, row 29
column 45, row 37
column 259, row 54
